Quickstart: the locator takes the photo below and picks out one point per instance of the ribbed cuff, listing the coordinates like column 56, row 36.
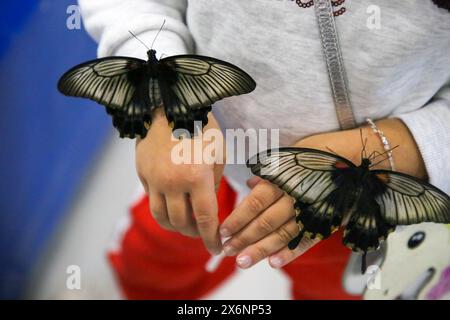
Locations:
column 430, row 127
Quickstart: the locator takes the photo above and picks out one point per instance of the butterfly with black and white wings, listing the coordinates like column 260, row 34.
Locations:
column 330, row 189
column 131, row 89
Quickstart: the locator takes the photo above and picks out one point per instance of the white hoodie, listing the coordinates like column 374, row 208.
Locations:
column 400, row 69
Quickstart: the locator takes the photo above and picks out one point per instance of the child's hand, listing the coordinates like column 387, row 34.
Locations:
column 261, row 225
column 264, row 223
column 182, row 196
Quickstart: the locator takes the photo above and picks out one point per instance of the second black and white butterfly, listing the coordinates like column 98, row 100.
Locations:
column 131, row 89
column 331, row 191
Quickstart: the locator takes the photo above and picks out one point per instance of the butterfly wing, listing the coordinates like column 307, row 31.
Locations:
column 308, row 175
column 405, row 200
column 132, row 122
column 200, row 81
column 120, row 84
column 366, row 228
column 109, row 81
column 318, row 180
column 178, row 114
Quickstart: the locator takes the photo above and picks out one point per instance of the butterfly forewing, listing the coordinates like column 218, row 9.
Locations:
column 407, row 200
column 307, row 175
column 108, row 81
column 201, row 81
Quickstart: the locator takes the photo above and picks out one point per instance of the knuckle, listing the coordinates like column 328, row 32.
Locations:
column 167, row 181
column 194, row 177
column 264, row 225
column 289, row 201
column 255, row 204
column 284, row 235
column 203, row 219
column 261, row 252
column 239, row 243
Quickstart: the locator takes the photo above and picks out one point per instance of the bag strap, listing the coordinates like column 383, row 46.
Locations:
column 335, row 63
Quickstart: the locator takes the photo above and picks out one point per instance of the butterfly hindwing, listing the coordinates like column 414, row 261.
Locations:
column 366, row 228
column 405, row 200
column 178, row 114
column 201, row 81
column 323, row 217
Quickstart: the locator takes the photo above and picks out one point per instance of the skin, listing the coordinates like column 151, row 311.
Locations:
column 263, row 224
column 182, row 197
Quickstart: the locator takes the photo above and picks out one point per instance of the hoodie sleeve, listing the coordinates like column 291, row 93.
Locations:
column 109, row 23
column 430, row 127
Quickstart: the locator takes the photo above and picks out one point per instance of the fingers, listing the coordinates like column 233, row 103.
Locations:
column 259, row 199
column 252, row 182
column 285, row 255
column 158, row 210
column 180, row 214
column 269, row 245
column 173, row 213
column 204, row 205
column 270, row 220
column 275, row 247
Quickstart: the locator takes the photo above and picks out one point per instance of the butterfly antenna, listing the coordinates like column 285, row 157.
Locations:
column 139, row 39
column 364, row 143
column 372, row 154
column 377, row 163
column 156, row 37
column 374, row 164
column 384, row 153
column 364, row 149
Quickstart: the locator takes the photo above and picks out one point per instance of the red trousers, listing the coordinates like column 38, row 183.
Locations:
column 157, row 264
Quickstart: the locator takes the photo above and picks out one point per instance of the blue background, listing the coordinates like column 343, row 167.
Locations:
column 47, row 140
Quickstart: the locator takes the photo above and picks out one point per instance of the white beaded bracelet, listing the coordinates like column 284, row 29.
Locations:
column 384, row 140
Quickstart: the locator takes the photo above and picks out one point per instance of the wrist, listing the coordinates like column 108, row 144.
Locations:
column 347, row 144
column 407, row 156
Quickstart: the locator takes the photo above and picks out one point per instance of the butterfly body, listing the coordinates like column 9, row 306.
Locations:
column 131, row 89
column 331, row 191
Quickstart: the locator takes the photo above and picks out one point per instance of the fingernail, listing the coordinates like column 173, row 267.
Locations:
column 244, row 261
column 229, row 250
column 276, row 262
column 224, row 232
